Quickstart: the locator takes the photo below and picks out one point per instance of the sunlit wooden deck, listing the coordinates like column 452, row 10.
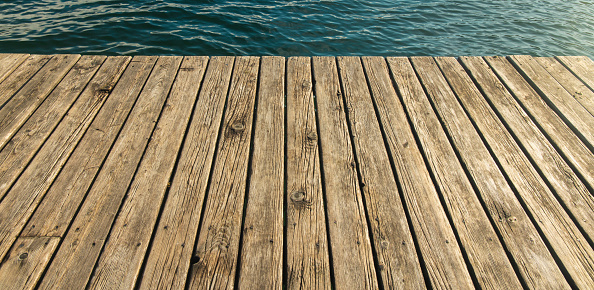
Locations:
column 264, row 172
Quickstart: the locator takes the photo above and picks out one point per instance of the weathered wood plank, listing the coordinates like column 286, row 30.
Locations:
column 392, row 239
column 308, row 264
column 83, row 242
column 477, row 236
column 55, row 213
column 550, row 123
column 571, row 191
column 262, row 247
column 23, row 266
column 568, row 108
column 16, row 111
column 168, row 260
column 8, row 63
column 24, row 144
column 352, row 258
column 124, row 251
column 14, row 81
column 218, row 241
column 569, row 81
column 568, row 243
column 520, row 237
column 581, row 66
column 27, row 192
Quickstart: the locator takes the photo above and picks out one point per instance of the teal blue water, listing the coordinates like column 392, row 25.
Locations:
column 300, row 27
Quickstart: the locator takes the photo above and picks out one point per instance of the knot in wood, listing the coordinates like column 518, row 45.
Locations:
column 385, row 244
column 238, row 127
column 311, row 136
column 298, row 196
column 23, row 256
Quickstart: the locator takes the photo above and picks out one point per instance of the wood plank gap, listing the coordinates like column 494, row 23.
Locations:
column 24, row 265
column 9, row 64
column 20, row 76
column 581, row 66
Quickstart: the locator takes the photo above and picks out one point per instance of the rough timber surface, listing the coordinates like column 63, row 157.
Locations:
column 304, row 172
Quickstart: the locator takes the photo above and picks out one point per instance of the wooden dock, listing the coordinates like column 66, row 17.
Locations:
column 168, row 172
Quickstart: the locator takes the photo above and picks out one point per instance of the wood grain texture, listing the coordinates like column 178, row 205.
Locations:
column 393, row 242
column 566, row 142
column 350, row 244
column 23, row 266
column 17, row 153
column 262, row 247
column 564, row 237
column 563, row 103
column 497, row 196
column 478, row 238
column 307, row 263
column 56, row 211
column 8, row 63
column 16, row 111
column 217, row 247
column 28, row 191
column 83, row 242
column 124, row 252
column 581, row 66
column 15, row 80
column 571, row 191
column 168, row 260
column 570, row 82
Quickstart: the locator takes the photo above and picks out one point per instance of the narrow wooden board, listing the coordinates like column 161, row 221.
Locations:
column 16, row 111
column 565, row 105
column 55, row 213
column 350, row 245
column 571, row 191
column 566, row 142
column 520, row 237
column 83, row 242
column 478, row 238
column 28, row 191
column 394, row 246
column 24, row 144
column 123, row 254
column 14, row 81
column 581, row 66
column 307, row 264
column 569, row 81
column 262, row 245
column 568, row 243
column 23, row 266
column 217, row 247
column 168, row 260
column 9, row 63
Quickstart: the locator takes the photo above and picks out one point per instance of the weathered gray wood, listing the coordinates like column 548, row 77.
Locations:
column 568, row 108
column 520, row 237
column 393, row 242
column 558, row 132
column 569, row 81
column 16, row 111
column 63, row 198
column 28, row 191
column 218, row 241
column 306, row 238
column 571, row 191
column 8, row 63
column 24, row 144
column 568, row 243
column 23, row 266
column 88, row 232
column 477, row 236
column 262, row 247
column 123, row 254
column 352, row 257
column 169, row 258
column 14, row 81
column 581, row 66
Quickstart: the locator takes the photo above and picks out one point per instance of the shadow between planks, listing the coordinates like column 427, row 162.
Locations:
column 172, row 172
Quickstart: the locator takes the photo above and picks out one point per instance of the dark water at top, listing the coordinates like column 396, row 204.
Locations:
column 341, row 27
